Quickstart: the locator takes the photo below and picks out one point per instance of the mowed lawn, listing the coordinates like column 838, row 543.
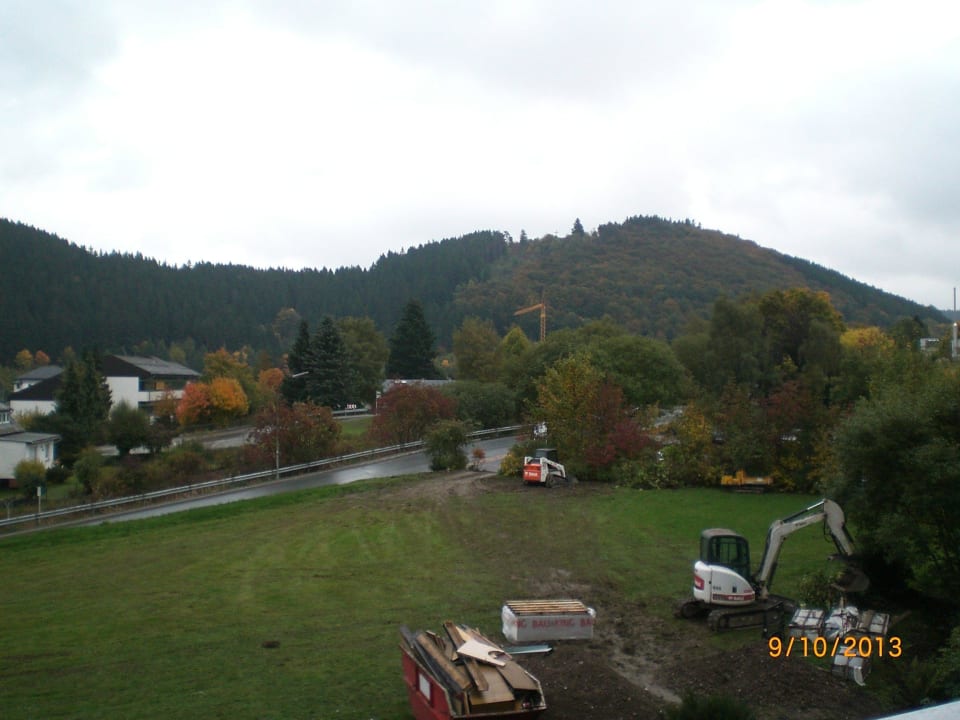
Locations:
column 289, row 607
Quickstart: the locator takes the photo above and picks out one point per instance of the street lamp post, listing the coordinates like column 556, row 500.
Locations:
column 276, row 437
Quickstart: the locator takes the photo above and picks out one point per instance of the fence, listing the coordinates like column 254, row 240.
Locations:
column 273, row 473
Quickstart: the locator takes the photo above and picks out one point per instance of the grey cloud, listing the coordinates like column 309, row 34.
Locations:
column 566, row 48
column 50, row 47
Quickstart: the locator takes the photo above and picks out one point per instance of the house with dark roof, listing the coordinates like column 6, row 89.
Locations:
column 36, row 398
column 35, row 376
column 141, row 381
column 16, row 445
column 138, row 381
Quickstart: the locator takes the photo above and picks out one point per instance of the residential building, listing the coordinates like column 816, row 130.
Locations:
column 35, row 376
column 137, row 381
column 141, row 381
column 17, row 445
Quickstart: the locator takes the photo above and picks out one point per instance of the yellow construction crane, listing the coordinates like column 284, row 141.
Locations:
column 542, row 307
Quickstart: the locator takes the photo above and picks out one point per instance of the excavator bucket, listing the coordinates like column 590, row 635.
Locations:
column 851, row 580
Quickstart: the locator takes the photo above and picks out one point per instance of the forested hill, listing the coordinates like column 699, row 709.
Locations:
column 647, row 273
column 653, row 276
column 57, row 294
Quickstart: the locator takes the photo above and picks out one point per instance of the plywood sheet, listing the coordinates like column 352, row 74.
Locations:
column 546, row 607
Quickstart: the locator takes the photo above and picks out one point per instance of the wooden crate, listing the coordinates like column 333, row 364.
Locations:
column 550, row 619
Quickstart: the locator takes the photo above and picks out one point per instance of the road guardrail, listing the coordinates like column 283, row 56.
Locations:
column 271, row 474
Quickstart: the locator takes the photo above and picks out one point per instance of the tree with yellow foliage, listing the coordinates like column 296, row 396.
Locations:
column 228, row 401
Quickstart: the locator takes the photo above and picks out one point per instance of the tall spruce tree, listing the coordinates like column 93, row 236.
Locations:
column 294, row 389
column 83, row 406
column 412, row 346
column 327, row 381
column 83, row 394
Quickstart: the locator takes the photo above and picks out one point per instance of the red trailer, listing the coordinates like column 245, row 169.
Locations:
column 447, row 679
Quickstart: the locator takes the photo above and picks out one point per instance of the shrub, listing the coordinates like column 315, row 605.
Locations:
column 646, row 473
column 444, row 443
column 153, row 476
column 714, row 707
column 109, row 484
column 186, row 461
column 87, row 468
column 948, row 666
column 57, row 475
column 815, row 590
column 132, row 473
column 512, row 463
column 29, row 475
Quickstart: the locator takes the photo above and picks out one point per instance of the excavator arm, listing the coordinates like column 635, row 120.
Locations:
column 825, row 511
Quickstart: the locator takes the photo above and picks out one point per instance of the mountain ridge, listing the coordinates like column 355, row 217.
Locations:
column 654, row 276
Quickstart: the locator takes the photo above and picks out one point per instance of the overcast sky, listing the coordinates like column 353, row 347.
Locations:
column 324, row 133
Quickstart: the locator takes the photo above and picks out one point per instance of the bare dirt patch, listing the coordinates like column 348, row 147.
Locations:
column 637, row 664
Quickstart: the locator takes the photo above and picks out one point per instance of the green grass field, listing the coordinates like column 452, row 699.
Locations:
column 167, row 618
column 355, row 427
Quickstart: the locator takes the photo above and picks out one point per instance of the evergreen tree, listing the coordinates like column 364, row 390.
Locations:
column 327, row 367
column 84, row 395
column 294, row 389
column 83, row 405
column 412, row 346
column 578, row 227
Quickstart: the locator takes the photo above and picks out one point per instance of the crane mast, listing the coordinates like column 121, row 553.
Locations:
column 542, row 307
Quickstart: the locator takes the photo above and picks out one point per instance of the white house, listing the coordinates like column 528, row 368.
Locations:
column 137, row 381
column 35, row 398
column 141, row 381
column 17, row 445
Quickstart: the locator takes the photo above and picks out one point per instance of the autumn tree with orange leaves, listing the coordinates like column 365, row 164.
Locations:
column 218, row 402
column 194, row 405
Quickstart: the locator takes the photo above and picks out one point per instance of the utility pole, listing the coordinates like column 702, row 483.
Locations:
column 954, row 349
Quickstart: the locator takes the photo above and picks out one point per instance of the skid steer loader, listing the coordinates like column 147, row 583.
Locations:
column 543, row 468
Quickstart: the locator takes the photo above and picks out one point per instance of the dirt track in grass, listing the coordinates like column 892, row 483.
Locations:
column 637, row 664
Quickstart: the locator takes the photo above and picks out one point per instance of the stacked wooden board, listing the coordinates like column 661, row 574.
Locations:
column 461, row 674
column 536, row 620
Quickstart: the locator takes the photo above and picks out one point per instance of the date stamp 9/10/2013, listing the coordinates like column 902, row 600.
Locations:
column 847, row 646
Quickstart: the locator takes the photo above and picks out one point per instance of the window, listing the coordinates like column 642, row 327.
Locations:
column 731, row 551
column 423, row 683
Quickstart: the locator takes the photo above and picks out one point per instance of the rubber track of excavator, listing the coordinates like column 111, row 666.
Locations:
column 771, row 614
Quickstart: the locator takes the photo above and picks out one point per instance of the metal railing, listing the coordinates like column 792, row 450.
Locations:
column 271, row 474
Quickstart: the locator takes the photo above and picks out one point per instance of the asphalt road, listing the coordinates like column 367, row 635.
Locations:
column 397, row 465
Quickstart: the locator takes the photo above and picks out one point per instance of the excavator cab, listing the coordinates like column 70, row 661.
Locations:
column 719, row 546
column 732, row 596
